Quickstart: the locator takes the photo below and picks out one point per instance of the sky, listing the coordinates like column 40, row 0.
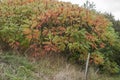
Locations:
column 110, row 6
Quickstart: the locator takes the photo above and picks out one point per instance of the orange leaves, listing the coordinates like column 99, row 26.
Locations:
column 58, row 31
column 54, row 30
column 15, row 45
column 19, row 2
column 54, row 25
column 27, row 1
column 102, row 45
column 94, row 46
column 35, row 34
column 26, row 31
column 49, row 17
column 90, row 37
column 34, row 25
column 50, row 47
column 30, row 1
column 61, row 30
column 45, row 32
column 31, row 34
column 97, row 58
column 35, row 50
column 97, row 22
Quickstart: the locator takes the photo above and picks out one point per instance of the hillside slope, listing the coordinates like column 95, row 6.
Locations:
column 39, row 27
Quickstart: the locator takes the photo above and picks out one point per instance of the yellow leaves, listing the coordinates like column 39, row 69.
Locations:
column 34, row 25
column 90, row 37
column 26, row 31
column 31, row 34
column 62, row 46
column 97, row 58
column 35, row 34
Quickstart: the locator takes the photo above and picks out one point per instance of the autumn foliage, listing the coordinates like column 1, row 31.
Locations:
column 39, row 27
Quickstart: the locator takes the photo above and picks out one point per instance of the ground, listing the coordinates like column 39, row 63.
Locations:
column 17, row 67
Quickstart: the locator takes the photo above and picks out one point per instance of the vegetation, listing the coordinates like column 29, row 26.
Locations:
column 40, row 27
column 116, row 23
column 17, row 67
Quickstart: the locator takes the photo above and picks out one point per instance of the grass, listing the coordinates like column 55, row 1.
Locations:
column 16, row 67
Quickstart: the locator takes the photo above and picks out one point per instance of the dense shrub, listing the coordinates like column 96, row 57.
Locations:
column 38, row 27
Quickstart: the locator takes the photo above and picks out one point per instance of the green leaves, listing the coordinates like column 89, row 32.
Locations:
column 56, row 27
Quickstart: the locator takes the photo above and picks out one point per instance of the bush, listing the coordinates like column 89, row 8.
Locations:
column 38, row 27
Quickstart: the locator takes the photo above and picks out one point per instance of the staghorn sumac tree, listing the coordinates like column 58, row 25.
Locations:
column 37, row 27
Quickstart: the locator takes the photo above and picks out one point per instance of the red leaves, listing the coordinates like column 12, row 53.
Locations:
column 50, row 47
column 102, row 45
column 94, row 46
column 90, row 37
column 61, row 28
column 30, row 1
column 45, row 32
column 31, row 34
column 15, row 45
column 36, row 51
column 48, row 25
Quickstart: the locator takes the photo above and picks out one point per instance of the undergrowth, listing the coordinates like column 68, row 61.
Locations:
column 17, row 67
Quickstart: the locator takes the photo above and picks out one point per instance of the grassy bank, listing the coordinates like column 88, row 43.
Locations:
column 16, row 67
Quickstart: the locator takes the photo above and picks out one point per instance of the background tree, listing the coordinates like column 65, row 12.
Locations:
column 116, row 23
